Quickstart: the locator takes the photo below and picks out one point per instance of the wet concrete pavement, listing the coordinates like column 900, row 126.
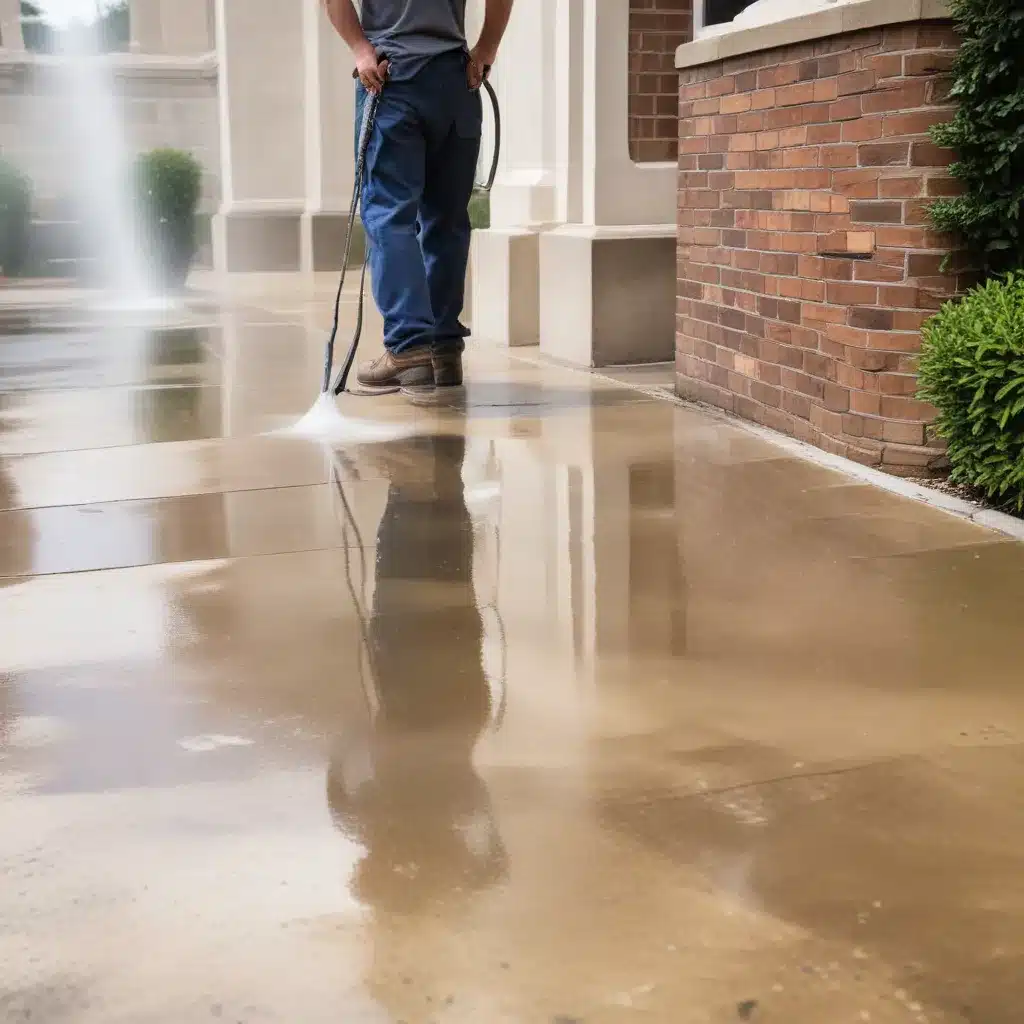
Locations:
column 575, row 706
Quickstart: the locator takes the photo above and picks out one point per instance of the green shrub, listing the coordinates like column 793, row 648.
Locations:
column 480, row 209
column 36, row 32
column 15, row 220
column 169, row 183
column 987, row 135
column 972, row 371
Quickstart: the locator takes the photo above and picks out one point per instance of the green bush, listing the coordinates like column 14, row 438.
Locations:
column 169, row 183
column 987, row 135
column 480, row 209
column 972, row 371
column 15, row 220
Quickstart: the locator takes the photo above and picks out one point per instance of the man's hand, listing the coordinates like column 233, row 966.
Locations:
column 371, row 72
column 496, row 15
column 480, row 61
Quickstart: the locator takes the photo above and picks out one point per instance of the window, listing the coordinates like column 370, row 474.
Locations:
column 717, row 12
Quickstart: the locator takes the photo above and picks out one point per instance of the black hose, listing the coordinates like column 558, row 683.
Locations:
column 369, row 116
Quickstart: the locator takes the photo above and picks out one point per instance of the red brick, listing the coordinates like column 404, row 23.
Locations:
column 875, row 270
column 857, row 82
column 796, row 404
column 927, row 154
column 825, row 89
column 871, row 318
column 885, row 65
column 721, row 86
column 884, row 154
column 900, row 188
column 845, row 109
column 928, row 63
column 903, row 237
column 943, row 187
column 903, row 408
column 854, row 242
column 826, row 420
column 790, row 95
column 904, row 96
column 903, row 433
column 849, row 294
column 896, row 383
column 915, row 123
column 866, row 212
column 859, row 184
column 909, row 319
column 864, row 129
column 735, row 104
column 917, row 211
column 703, row 107
column 839, row 156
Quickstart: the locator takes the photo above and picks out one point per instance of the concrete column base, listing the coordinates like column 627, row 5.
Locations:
column 505, row 282
column 607, row 294
column 323, row 241
column 523, row 198
column 257, row 241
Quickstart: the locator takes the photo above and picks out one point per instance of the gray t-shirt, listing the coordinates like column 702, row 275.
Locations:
column 410, row 32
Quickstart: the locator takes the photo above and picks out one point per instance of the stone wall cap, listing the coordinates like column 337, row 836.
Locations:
column 608, row 231
column 848, row 17
column 130, row 64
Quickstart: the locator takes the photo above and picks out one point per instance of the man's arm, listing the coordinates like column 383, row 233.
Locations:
column 496, row 15
column 345, row 20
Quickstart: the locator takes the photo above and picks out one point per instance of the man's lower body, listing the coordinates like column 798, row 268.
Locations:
column 420, row 165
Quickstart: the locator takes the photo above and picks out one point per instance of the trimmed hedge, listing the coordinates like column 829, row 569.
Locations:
column 170, row 184
column 972, row 371
column 15, row 220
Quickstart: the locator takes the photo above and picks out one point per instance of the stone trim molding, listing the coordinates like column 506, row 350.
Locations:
column 849, row 17
column 129, row 65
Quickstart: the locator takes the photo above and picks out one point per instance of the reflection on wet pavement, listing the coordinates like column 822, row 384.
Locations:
column 575, row 706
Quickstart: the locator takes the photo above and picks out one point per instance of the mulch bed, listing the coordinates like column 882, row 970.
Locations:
column 965, row 493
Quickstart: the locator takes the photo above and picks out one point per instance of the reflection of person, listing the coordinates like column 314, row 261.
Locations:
column 420, row 164
column 409, row 793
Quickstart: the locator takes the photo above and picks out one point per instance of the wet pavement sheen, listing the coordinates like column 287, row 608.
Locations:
column 576, row 706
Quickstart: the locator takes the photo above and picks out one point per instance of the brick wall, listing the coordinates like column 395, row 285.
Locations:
column 656, row 28
column 806, row 265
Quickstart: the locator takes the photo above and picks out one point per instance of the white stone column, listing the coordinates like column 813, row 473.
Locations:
column 145, row 24
column 329, row 132
column 179, row 28
column 607, row 282
column 261, row 51
column 568, row 101
column 10, row 25
column 505, row 276
column 187, row 26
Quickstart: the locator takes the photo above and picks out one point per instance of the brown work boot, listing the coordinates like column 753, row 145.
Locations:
column 389, row 372
column 447, row 369
column 447, row 389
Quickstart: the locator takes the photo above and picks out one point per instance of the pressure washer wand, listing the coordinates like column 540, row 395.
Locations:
column 369, row 116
